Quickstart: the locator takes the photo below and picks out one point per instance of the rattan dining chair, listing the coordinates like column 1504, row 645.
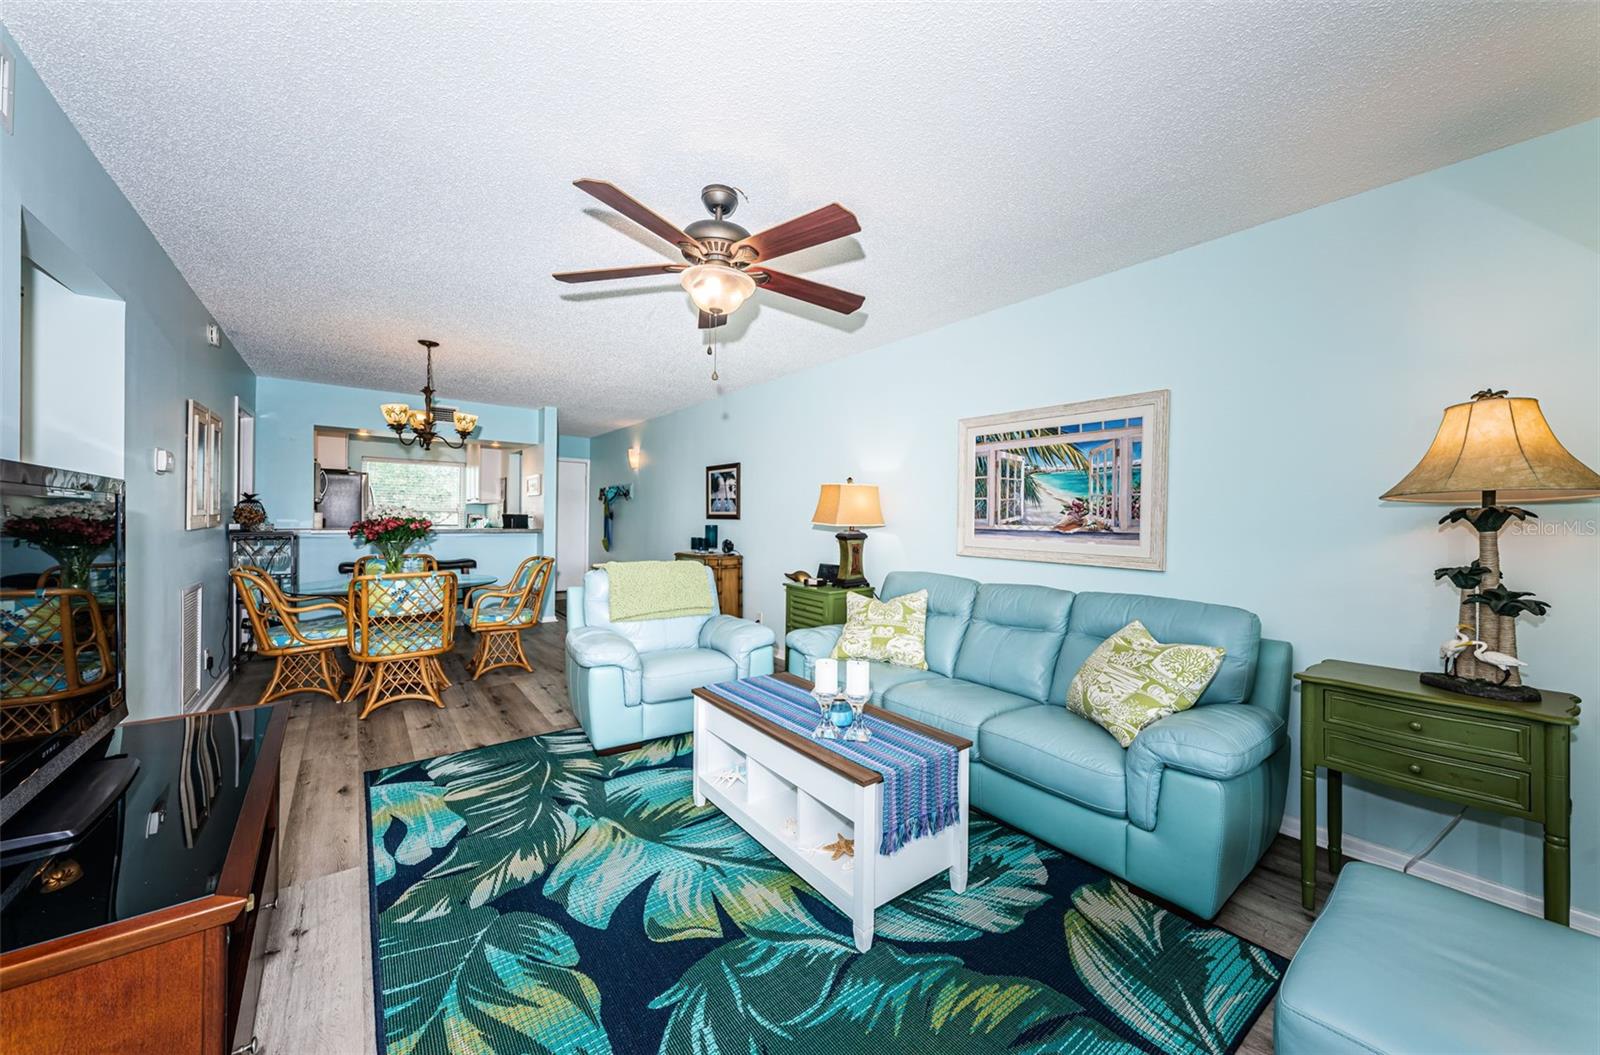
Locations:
column 303, row 648
column 411, row 562
column 54, row 650
column 401, row 625
column 499, row 615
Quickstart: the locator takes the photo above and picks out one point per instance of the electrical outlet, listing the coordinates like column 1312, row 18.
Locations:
column 758, row 617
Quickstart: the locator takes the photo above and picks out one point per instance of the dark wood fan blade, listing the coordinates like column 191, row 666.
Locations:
column 811, row 292
column 709, row 321
column 602, row 273
column 802, row 232
column 639, row 214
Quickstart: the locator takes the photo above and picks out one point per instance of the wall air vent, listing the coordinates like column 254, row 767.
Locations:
column 191, row 658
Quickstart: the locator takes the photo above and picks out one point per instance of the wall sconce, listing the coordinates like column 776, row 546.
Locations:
column 633, row 458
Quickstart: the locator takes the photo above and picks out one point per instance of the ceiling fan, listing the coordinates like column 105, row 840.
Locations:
column 726, row 263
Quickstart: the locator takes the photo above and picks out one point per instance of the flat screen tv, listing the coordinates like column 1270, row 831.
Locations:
column 62, row 622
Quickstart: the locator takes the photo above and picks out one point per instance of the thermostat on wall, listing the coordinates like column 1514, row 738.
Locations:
column 165, row 462
column 213, row 335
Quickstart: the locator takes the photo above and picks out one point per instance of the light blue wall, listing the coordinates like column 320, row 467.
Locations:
column 1309, row 360
column 574, row 446
column 288, row 411
column 46, row 169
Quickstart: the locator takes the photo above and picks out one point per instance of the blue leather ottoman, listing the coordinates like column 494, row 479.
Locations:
column 1397, row 964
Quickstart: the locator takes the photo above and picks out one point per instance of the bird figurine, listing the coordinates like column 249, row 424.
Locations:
column 1497, row 659
column 1451, row 650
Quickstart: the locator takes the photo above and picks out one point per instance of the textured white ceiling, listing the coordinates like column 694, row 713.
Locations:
column 336, row 180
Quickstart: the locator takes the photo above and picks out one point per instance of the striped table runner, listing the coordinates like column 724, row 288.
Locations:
column 921, row 775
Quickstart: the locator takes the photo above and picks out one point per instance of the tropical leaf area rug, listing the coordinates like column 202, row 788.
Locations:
column 533, row 897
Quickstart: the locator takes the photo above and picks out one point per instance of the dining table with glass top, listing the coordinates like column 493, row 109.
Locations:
column 341, row 586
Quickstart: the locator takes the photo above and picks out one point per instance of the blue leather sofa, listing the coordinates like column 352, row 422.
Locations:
column 632, row 681
column 1185, row 812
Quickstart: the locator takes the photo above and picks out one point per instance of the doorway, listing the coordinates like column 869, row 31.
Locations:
column 572, row 513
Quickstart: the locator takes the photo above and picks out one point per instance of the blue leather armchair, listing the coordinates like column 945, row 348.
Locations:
column 1185, row 812
column 633, row 681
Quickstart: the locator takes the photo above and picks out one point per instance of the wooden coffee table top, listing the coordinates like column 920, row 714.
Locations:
column 814, row 750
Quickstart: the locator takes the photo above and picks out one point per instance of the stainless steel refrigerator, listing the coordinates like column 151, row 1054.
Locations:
column 342, row 497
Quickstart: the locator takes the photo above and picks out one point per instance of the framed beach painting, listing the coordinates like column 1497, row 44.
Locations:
column 1081, row 483
column 722, row 491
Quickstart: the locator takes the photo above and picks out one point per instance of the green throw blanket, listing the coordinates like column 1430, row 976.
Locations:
column 657, row 589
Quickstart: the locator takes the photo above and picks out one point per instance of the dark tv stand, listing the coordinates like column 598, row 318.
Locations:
column 151, row 938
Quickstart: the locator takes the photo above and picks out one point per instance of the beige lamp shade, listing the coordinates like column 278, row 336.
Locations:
column 848, row 505
column 1498, row 444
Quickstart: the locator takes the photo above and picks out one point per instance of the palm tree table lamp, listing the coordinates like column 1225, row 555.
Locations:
column 851, row 506
column 1492, row 449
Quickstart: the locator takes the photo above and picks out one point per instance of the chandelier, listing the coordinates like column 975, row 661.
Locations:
column 420, row 422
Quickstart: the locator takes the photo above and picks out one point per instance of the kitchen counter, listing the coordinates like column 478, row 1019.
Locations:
column 342, row 533
column 497, row 551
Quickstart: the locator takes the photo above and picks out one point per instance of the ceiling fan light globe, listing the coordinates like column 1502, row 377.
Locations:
column 717, row 288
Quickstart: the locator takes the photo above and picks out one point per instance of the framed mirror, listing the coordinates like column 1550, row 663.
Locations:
column 203, row 490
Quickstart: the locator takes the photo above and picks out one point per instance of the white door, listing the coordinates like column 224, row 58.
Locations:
column 572, row 513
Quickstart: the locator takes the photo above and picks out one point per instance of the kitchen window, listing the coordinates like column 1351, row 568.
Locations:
column 431, row 489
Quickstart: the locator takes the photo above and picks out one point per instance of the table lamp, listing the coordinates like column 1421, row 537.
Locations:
column 1491, row 449
column 851, row 506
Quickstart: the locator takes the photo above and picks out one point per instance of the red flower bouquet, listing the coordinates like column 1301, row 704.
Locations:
column 73, row 535
column 391, row 534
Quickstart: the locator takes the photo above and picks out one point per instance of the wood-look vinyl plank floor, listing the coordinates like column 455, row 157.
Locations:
column 316, row 993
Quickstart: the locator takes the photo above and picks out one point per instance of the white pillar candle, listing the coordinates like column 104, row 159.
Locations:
column 856, row 678
column 825, row 674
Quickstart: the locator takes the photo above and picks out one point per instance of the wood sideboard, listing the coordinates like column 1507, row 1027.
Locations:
column 180, row 979
column 729, row 571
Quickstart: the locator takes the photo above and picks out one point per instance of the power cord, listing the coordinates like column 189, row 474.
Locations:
column 1437, row 839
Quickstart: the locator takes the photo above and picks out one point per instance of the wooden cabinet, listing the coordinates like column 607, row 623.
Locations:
column 729, row 571
column 816, row 605
column 333, row 450
column 179, row 976
column 1383, row 725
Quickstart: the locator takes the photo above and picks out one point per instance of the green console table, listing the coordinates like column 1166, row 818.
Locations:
column 1383, row 725
column 815, row 605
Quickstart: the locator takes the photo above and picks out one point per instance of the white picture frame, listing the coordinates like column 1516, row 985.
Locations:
column 203, row 472
column 1023, row 495
column 532, row 485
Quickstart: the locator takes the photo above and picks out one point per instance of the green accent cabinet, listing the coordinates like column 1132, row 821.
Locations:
column 1383, row 725
column 805, row 606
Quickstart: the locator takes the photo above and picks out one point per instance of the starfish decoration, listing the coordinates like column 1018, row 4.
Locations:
column 840, row 847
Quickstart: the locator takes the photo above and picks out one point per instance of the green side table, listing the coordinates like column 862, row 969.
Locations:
column 1382, row 724
column 815, row 605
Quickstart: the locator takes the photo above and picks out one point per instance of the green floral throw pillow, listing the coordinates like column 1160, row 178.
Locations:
column 1132, row 679
column 891, row 631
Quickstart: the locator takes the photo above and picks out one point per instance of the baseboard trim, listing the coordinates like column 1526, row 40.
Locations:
column 204, row 701
column 1466, row 882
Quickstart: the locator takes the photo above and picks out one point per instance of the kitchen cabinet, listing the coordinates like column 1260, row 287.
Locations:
column 333, row 450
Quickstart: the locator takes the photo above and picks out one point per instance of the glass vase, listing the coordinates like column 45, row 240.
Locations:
column 394, row 557
column 76, row 563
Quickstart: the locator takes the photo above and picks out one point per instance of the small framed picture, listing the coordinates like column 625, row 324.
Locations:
column 722, row 491
column 532, row 485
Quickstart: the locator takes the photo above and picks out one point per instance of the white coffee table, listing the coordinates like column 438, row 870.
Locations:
column 794, row 795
